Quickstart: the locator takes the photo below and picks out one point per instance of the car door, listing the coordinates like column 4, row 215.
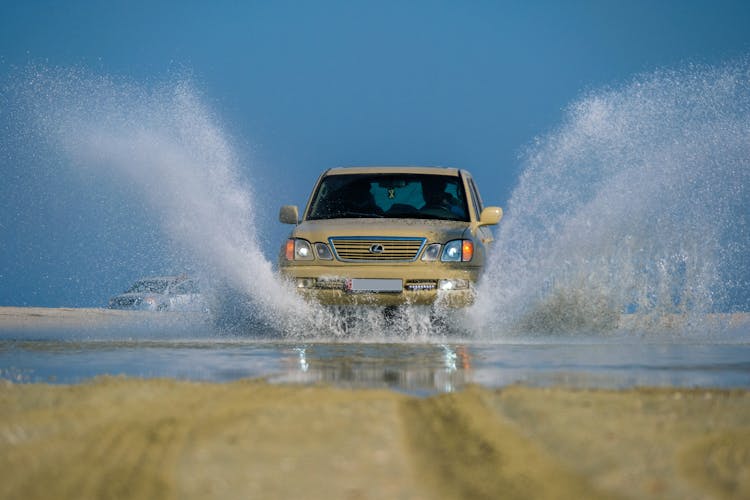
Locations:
column 185, row 295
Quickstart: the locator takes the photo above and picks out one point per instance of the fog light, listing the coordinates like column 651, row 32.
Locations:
column 305, row 282
column 453, row 284
column 420, row 286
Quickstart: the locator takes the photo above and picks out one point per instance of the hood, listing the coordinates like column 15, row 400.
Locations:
column 439, row 231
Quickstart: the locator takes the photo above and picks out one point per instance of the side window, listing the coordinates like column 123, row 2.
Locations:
column 186, row 287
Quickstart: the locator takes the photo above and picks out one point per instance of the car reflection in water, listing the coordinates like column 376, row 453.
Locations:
column 415, row 369
column 161, row 293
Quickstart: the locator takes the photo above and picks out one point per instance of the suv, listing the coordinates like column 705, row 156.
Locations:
column 389, row 236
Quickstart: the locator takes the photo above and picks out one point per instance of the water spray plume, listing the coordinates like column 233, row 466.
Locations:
column 168, row 145
column 636, row 204
column 636, row 207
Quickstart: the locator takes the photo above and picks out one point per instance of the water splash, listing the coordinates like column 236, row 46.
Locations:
column 633, row 211
column 635, row 208
column 166, row 143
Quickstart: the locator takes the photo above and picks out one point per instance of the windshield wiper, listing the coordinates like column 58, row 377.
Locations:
column 350, row 213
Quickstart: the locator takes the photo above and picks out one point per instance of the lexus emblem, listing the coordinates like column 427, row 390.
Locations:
column 377, row 248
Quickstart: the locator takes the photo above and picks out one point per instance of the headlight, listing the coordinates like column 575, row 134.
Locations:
column 453, row 284
column 458, row 251
column 323, row 251
column 431, row 253
column 298, row 250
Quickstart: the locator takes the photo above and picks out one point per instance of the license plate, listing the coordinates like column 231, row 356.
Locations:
column 374, row 285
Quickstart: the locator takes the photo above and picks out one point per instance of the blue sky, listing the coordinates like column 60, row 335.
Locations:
column 303, row 86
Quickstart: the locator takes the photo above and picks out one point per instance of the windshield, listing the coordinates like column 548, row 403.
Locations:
column 186, row 287
column 403, row 196
column 149, row 286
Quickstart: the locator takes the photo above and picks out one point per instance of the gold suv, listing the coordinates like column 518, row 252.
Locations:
column 389, row 236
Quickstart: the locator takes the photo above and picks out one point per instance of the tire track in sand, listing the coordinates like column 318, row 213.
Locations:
column 466, row 450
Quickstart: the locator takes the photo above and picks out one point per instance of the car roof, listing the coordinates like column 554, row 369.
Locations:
column 393, row 169
column 162, row 278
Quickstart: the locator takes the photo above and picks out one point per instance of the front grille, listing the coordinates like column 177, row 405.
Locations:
column 367, row 249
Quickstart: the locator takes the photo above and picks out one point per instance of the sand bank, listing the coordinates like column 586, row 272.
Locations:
column 57, row 318
column 45, row 318
column 132, row 438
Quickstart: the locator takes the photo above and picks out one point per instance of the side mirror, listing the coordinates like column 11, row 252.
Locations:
column 490, row 216
column 289, row 214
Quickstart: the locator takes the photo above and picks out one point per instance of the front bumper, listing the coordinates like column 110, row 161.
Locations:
column 451, row 299
column 328, row 286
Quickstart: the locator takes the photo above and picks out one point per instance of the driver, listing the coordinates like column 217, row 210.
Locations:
column 359, row 198
column 436, row 197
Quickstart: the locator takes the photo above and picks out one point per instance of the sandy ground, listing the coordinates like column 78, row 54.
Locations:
column 45, row 318
column 134, row 438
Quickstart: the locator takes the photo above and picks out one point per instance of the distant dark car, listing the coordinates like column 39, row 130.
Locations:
column 161, row 293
